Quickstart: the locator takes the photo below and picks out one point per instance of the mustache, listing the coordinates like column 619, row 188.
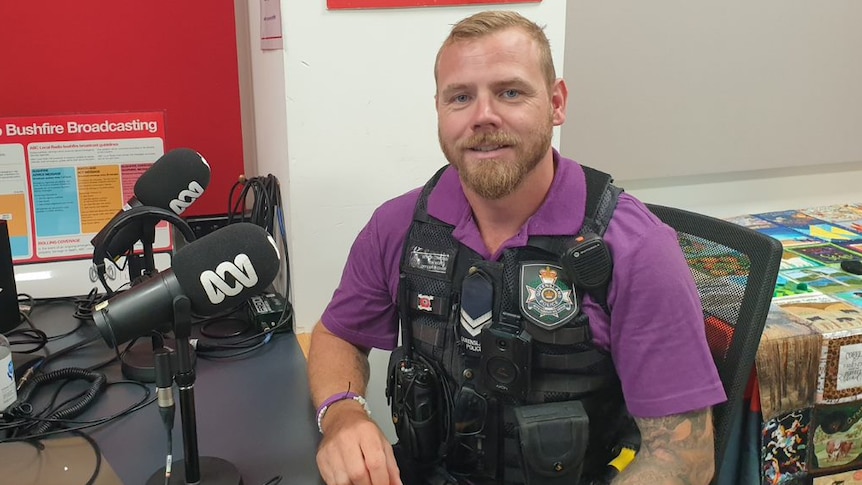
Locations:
column 484, row 139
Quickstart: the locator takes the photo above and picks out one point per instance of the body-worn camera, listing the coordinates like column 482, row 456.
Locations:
column 505, row 366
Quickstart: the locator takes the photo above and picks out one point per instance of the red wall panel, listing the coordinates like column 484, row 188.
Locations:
column 99, row 56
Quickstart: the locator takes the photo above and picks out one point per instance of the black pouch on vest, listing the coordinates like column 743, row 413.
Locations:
column 553, row 438
column 418, row 398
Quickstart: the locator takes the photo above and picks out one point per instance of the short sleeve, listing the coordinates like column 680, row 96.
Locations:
column 657, row 333
column 363, row 309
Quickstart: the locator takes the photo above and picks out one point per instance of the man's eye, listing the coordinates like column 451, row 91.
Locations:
column 511, row 93
column 461, row 98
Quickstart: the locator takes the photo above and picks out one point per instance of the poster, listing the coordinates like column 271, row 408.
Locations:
column 343, row 4
column 63, row 177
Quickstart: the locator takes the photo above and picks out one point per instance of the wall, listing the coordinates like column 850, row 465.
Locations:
column 353, row 92
column 106, row 56
column 670, row 87
column 686, row 104
column 361, row 125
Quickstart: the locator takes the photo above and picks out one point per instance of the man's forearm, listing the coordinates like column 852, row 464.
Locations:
column 334, row 366
column 675, row 450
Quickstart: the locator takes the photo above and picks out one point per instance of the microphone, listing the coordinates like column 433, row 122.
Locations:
column 173, row 182
column 216, row 272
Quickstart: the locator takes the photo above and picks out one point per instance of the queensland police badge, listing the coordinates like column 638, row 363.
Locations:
column 546, row 300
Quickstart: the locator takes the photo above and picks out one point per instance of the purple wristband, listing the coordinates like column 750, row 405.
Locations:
column 341, row 396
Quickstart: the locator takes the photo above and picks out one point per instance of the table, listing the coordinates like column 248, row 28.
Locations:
column 809, row 363
column 254, row 412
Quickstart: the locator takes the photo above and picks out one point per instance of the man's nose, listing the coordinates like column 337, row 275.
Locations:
column 486, row 112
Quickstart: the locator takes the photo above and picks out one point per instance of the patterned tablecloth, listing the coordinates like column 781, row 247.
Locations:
column 809, row 363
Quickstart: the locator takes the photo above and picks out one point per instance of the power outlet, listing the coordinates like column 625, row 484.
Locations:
column 203, row 225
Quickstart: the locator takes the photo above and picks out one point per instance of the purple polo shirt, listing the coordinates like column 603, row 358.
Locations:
column 655, row 332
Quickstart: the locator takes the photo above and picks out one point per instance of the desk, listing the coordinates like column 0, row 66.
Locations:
column 254, row 412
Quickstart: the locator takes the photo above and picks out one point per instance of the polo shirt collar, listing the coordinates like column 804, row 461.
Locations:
column 562, row 212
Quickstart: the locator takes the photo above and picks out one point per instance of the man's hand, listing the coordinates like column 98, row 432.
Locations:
column 354, row 450
column 676, row 449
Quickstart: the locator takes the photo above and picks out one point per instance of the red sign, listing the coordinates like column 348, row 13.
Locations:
column 342, row 4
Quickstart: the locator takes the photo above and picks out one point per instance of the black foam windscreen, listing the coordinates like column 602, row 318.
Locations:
column 226, row 267
column 174, row 181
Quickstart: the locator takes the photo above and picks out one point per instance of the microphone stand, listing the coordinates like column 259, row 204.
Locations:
column 143, row 265
column 193, row 469
column 137, row 361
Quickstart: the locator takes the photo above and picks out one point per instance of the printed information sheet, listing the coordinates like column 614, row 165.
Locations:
column 63, row 177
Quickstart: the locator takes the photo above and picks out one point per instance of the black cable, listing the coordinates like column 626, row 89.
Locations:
column 96, row 450
column 27, row 336
column 256, row 200
column 206, row 350
column 40, row 447
column 97, row 384
column 247, row 350
column 267, row 210
column 145, row 401
column 165, row 394
column 170, row 456
column 84, row 305
column 205, row 328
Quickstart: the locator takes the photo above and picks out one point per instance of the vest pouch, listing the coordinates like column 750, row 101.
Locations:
column 553, row 438
column 417, row 397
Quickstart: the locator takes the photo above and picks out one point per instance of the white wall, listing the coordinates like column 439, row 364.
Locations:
column 674, row 87
column 682, row 101
column 345, row 118
column 361, row 125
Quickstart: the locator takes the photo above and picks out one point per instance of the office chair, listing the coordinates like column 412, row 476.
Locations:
column 735, row 269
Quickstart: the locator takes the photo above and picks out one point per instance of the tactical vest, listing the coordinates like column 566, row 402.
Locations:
column 563, row 365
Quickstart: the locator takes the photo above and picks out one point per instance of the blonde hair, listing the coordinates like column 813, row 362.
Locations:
column 493, row 21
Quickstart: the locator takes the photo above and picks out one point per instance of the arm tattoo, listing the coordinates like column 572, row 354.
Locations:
column 676, row 450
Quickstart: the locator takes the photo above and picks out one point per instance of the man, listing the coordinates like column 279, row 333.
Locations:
column 497, row 102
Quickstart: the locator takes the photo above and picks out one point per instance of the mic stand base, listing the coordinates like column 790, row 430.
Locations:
column 138, row 365
column 214, row 471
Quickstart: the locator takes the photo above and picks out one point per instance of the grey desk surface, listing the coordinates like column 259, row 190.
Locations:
column 254, row 412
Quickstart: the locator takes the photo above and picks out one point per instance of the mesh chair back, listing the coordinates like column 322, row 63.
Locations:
column 735, row 269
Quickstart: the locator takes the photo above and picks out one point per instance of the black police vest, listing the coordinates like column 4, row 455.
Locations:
column 563, row 365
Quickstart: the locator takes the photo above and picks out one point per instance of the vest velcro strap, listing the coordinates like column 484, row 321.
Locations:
column 513, row 475
column 579, row 360
column 560, row 336
column 432, row 336
column 572, row 384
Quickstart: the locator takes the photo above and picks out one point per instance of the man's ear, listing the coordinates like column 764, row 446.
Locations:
column 559, row 99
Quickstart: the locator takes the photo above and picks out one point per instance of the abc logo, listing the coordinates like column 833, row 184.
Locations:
column 186, row 197
column 215, row 283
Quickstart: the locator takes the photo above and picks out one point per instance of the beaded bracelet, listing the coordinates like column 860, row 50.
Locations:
column 341, row 396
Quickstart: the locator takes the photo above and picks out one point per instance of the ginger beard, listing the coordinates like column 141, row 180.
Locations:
column 495, row 178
